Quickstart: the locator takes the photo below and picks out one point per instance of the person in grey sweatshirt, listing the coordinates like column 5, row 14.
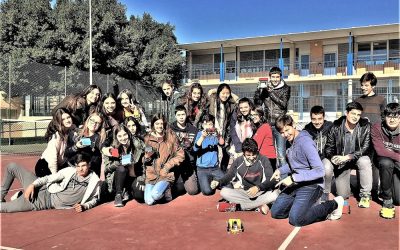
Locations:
column 304, row 183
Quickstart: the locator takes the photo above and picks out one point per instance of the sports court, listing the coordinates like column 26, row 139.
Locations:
column 188, row 222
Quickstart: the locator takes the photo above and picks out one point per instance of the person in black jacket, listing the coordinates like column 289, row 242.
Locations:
column 275, row 99
column 319, row 128
column 347, row 147
column 251, row 174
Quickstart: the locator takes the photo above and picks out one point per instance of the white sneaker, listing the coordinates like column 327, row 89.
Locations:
column 16, row 195
column 337, row 213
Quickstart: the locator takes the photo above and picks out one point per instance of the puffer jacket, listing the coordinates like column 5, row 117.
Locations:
column 335, row 142
column 275, row 101
column 168, row 154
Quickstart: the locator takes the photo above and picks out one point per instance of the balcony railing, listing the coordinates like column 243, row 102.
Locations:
column 260, row 68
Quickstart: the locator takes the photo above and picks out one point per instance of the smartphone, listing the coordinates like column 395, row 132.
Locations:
column 86, row 141
column 114, row 152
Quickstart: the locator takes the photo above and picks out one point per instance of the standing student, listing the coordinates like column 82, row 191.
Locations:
column 304, row 183
column 196, row 104
column 169, row 99
column 275, row 99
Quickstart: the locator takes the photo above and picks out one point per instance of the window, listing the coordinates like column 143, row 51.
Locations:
column 330, row 60
column 379, row 52
column 394, row 49
column 364, row 52
column 251, row 61
column 305, row 61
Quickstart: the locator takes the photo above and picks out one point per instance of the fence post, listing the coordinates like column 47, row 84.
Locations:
column 350, row 90
column 35, row 130
column 65, row 81
column 9, row 99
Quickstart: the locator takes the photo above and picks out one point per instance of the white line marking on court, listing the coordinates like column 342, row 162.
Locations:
column 290, row 237
column 9, row 248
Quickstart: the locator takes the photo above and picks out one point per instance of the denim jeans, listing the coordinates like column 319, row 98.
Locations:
column 299, row 204
column 387, row 169
column 153, row 193
column 205, row 176
column 280, row 146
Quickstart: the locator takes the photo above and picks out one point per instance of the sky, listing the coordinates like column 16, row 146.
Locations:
column 210, row 20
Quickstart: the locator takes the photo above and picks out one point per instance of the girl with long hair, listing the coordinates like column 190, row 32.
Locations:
column 131, row 107
column 162, row 154
column 52, row 158
column 196, row 104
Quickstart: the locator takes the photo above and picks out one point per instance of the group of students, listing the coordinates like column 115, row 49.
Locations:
column 102, row 148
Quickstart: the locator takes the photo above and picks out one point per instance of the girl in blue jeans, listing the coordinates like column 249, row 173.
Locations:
column 304, row 184
column 162, row 154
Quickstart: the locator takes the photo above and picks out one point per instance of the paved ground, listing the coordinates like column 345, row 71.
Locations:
column 188, row 222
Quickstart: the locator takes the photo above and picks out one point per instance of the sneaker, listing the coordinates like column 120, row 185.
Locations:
column 263, row 209
column 118, row 201
column 387, row 212
column 337, row 213
column 226, row 207
column 125, row 196
column 16, row 195
column 364, row 202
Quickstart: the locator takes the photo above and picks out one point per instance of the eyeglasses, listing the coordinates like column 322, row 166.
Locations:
column 94, row 122
column 393, row 116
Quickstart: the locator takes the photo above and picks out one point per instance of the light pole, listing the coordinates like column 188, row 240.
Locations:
column 90, row 43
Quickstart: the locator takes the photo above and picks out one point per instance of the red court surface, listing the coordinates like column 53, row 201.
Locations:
column 188, row 222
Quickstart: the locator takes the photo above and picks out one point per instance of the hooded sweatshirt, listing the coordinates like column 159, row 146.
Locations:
column 304, row 162
column 319, row 136
column 386, row 142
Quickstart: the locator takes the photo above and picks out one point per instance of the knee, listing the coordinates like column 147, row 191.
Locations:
column 192, row 190
column 149, row 201
column 296, row 221
column 385, row 163
column 276, row 213
column 364, row 162
column 328, row 167
column 207, row 191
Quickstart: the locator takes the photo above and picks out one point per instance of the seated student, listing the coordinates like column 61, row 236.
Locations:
column 71, row 187
column 162, row 154
column 348, row 147
column 386, row 141
column 88, row 140
column 249, row 181
column 117, row 162
column 319, row 128
column 53, row 158
column 136, row 177
column 304, row 184
column 186, row 172
column 206, row 148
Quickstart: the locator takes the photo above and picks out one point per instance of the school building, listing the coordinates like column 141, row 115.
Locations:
column 322, row 67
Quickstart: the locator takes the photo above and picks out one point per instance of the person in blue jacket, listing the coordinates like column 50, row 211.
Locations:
column 304, row 183
column 206, row 148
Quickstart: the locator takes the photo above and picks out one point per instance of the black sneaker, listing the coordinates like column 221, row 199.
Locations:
column 118, row 201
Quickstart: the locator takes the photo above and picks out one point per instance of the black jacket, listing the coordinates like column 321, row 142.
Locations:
column 275, row 102
column 319, row 136
column 335, row 143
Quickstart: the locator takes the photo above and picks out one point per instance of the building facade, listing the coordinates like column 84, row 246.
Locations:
column 322, row 67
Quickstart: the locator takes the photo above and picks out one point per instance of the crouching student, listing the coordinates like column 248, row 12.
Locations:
column 71, row 187
column 206, row 148
column 249, row 181
column 386, row 140
column 162, row 154
column 304, row 184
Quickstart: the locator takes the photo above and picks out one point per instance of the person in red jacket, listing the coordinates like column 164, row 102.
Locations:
column 262, row 134
column 386, row 141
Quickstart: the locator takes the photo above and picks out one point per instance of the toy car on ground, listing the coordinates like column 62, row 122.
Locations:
column 235, row 226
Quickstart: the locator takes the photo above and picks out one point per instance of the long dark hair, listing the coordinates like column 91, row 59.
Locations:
column 157, row 117
column 89, row 89
column 203, row 99
column 241, row 117
column 117, row 104
column 137, row 124
column 260, row 112
column 56, row 125
column 221, row 87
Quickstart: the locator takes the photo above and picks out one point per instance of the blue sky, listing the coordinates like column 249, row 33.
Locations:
column 208, row 20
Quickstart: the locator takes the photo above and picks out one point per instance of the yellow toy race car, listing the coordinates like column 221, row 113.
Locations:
column 235, row 226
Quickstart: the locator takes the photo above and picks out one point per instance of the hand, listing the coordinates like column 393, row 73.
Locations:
column 78, row 208
column 286, row 182
column 107, row 151
column 29, row 192
column 251, row 192
column 339, row 159
column 204, row 134
column 276, row 175
column 214, row 184
column 221, row 140
column 79, row 144
column 163, row 172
